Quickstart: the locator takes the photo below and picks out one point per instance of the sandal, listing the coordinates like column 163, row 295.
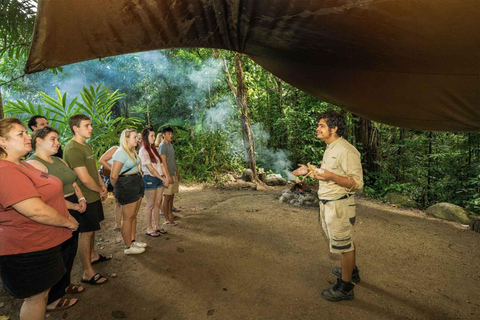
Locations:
column 172, row 224
column 95, row 279
column 175, row 210
column 153, row 234
column 161, row 230
column 63, row 303
column 101, row 258
column 74, row 289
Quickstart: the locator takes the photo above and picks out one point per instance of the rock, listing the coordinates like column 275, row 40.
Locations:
column 180, row 249
column 281, row 181
column 117, row 314
column 400, row 199
column 282, row 199
column 449, row 212
column 65, row 315
column 475, row 223
column 210, row 312
column 309, row 197
column 2, row 304
column 224, row 289
column 113, row 275
column 247, row 175
column 271, row 181
column 288, row 196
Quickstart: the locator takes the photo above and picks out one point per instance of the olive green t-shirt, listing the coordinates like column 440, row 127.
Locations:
column 79, row 155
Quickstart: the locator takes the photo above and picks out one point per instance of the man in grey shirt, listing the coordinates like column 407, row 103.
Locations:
column 167, row 154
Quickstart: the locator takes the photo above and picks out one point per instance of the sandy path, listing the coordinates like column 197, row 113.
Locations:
column 243, row 255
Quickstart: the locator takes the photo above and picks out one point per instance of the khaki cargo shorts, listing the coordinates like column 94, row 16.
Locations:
column 338, row 218
column 172, row 187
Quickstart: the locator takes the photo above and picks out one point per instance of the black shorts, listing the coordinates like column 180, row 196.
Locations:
column 129, row 188
column 27, row 274
column 91, row 218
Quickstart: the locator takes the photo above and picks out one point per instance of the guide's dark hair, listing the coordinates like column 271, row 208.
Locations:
column 334, row 119
column 33, row 121
column 167, row 129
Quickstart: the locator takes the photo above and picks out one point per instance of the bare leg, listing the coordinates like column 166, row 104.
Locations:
column 84, row 248
column 167, row 208
column 128, row 211
column 34, row 307
column 348, row 263
column 117, row 211
column 150, row 197
column 134, row 221
column 157, row 207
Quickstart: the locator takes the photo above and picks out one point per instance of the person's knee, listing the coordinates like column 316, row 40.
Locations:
column 38, row 297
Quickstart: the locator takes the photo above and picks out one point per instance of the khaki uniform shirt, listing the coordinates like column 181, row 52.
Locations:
column 343, row 159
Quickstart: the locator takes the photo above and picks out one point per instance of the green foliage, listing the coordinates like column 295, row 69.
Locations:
column 96, row 102
column 206, row 156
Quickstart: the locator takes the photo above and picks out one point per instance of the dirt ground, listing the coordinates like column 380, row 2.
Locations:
column 243, row 255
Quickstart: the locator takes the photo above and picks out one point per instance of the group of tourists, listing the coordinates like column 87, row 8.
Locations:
column 51, row 205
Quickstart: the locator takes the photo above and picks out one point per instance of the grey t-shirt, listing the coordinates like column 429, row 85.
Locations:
column 166, row 149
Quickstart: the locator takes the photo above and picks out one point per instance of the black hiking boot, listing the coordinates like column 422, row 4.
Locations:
column 337, row 271
column 342, row 290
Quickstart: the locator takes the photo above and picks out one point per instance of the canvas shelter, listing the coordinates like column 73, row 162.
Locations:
column 409, row 63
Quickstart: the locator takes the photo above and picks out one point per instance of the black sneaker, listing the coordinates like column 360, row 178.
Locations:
column 342, row 290
column 337, row 271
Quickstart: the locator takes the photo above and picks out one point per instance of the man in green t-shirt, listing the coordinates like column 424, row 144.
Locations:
column 79, row 156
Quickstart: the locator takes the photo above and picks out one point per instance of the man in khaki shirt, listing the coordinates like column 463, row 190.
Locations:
column 340, row 175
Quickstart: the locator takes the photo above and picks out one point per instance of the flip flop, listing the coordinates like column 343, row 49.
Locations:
column 101, row 258
column 152, row 234
column 63, row 304
column 176, row 210
column 172, row 224
column 176, row 218
column 161, row 230
column 94, row 280
column 74, row 289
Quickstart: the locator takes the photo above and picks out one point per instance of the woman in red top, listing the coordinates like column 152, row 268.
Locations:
column 34, row 222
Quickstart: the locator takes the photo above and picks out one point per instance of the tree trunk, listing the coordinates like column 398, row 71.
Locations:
column 428, row 197
column 2, row 115
column 368, row 136
column 241, row 98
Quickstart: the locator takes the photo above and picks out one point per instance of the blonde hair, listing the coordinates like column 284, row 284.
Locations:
column 132, row 153
column 159, row 139
column 6, row 126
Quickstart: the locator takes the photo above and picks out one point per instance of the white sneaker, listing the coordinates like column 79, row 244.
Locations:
column 139, row 244
column 134, row 250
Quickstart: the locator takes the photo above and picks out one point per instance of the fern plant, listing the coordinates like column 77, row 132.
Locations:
column 96, row 102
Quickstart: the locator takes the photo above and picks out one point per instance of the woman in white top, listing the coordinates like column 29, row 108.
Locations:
column 154, row 181
column 129, row 190
column 107, row 162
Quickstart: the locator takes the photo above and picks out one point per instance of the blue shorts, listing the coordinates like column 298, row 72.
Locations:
column 152, row 182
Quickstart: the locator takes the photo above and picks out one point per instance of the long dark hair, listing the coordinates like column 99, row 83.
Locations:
column 150, row 147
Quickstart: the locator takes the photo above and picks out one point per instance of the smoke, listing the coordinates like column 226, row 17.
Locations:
column 274, row 160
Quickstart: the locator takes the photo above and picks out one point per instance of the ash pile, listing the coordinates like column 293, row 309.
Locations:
column 299, row 196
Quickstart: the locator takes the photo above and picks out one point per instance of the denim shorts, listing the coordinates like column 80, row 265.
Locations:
column 152, row 182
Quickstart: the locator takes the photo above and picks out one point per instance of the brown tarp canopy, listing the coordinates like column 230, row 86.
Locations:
column 409, row 63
